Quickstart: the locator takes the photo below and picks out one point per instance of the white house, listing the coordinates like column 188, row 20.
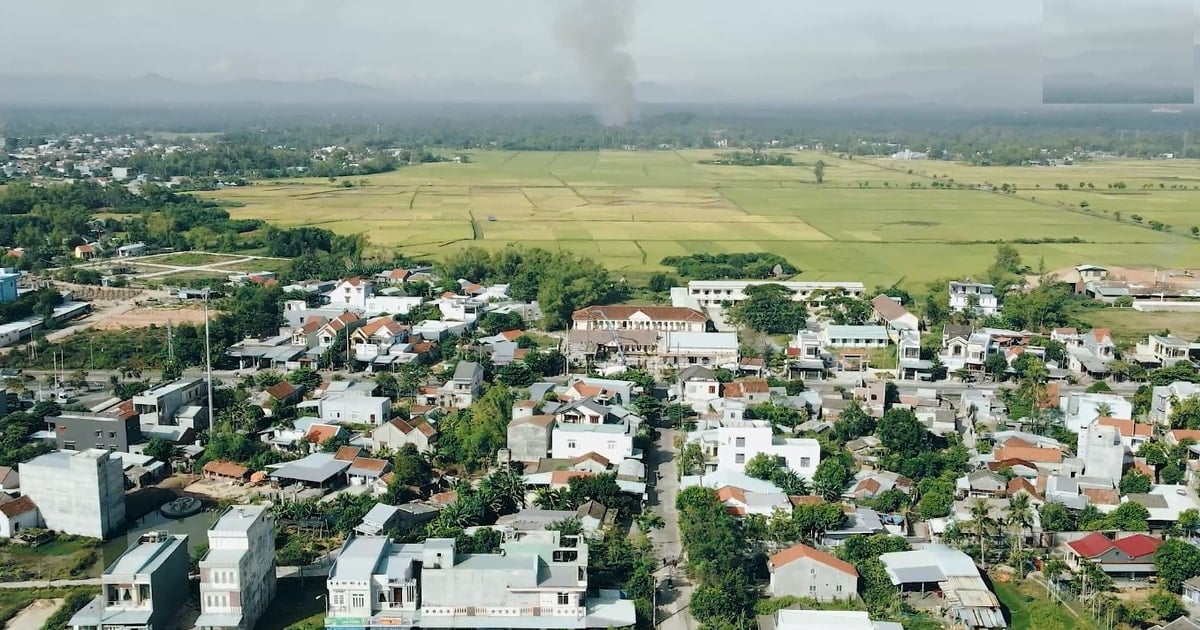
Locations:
column 738, row 442
column 351, row 294
column 659, row 318
column 834, row 336
column 975, row 296
column 708, row 293
column 17, row 515
column 356, row 409
column 696, row 386
column 1164, row 397
column 614, row 442
column 1081, row 408
column 698, row 348
column 801, row 571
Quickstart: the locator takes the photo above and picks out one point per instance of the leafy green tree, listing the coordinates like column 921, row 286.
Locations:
column 937, row 497
column 769, row 308
column 819, row 171
column 1055, row 517
column 1189, row 521
column 1134, row 482
column 159, row 449
column 516, row 374
column 410, row 467
column 1175, row 561
column 1129, row 517
column 1166, row 605
column 831, row 477
column 764, row 465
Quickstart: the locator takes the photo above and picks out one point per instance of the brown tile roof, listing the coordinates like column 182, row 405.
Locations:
column 347, row 453
column 1066, row 331
column 281, row 390
column 369, row 463
column 402, row 425
column 1127, row 428
column 1049, row 398
column 420, row 410
column 752, row 362
column 520, row 353
column 125, row 409
column 17, row 507
column 592, row 456
column 623, row 313
column 1101, row 496
column 311, row 325
column 398, row 274
column 444, row 498
column 1141, row 466
column 512, row 335
column 1101, row 334
column 796, row 552
column 525, row 404
column 563, row 477
column 806, row 500
column 1029, row 454
column 869, row 484
column 353, row 281
column 731, row 493
column 226, row 469
column 380, row 324
column 321, row 433
column 426, row 429
column 341, row 321
column 1017, row 484
column 888, row 308
column 1180, row 435
column 541, row 420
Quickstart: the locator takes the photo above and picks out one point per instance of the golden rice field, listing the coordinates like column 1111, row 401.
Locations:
column 629, row 209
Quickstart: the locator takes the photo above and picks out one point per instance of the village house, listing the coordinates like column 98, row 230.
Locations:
column 1164, row 397
column 529, row 437
column 696, row 386
column 719, row 293
column 329, row 332
column 889, row 312
column 806, row 355
column 1165, row 351
column 833, row 336
column 801, row 571
column 656, row 318
column 740, row 502
column 716, row 349
column 1124, row 557
column 396, row 433
column 974, row 296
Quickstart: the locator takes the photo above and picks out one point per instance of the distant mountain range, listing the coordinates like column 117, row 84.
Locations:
column 155, row 89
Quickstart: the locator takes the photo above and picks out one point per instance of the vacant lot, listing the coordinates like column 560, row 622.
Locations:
column 1132, row 326
column 879, row 221
column 65, row 558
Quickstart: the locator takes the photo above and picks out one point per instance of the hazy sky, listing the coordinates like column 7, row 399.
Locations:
column 761, row 46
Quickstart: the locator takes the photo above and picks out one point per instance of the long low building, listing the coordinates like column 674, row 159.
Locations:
column 706, row 293
column 938, row 568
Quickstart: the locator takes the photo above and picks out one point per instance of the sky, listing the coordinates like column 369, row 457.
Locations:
column 759, row 49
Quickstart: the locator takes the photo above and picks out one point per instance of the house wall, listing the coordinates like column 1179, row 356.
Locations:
column 358, row 409
column 81, row 433
column 388, row 436
column 738, row 445
column 169, row 586
column 805, row 577
column 18, row 523
column 569, row 445
column 528, row 442
column 86, row 499
column 254, row 583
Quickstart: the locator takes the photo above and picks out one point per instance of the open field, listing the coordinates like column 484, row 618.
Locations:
column 866, row 222
column 1030, row 607
column 1132, row 326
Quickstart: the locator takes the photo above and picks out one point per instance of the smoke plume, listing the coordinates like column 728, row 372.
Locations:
column 596, row 32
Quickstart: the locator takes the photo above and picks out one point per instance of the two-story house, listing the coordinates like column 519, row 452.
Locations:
column 329, row 332
column 1164, row 397
column 738, row 441
column 463, row 387
column 656, row 318
column 306, row 334
column 696, row 386
column 351, row 294
column 1165, row 350
column 143, row 589
column 806, row 356
column 974, row 296
column 908, row 356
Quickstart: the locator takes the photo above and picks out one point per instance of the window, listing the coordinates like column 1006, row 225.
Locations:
column 112, row 435
column 339, row 600
column 358, row 600
column 739, row 442
column 99, row 434
column 805, row 462
column 740, row 458
column 571, row 444
column 839, row 588
column 812, row 588
column 564, row 599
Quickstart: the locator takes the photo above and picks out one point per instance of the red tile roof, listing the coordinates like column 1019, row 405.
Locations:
column 1017, row 484
column 383, row 324
column 1127, row 428
column 347, row 453
column 1134, row 546
column 353, row 281
column 731, row 493
column 226, row 469
column 623, row 313
column 591, row 456
column 512, row 335
column 369, row 463
column 281, row 390
column 312, row 324
column 17, row 507
column 869, row 484
column 1101, row 334
column 1101, row 496
column 1180, row 435
column 806, row 500
column 563, row 477
column 796, row 552
column 321, row 433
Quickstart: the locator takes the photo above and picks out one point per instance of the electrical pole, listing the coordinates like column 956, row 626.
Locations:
column 208, row 360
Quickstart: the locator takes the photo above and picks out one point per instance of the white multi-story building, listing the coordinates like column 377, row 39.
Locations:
column 855, row 337
column 237, row 575
column 716, row 349
column 706, row 293
column 734, row 442
column 353, row 408
column 1102, row 451
column 538, row 580
column 975, row 296
column 80, row 493
column 143, row 589
column 614, row 442
column 658, row 318
column 181, row 402
column 1164, row 397
column 1081, row 408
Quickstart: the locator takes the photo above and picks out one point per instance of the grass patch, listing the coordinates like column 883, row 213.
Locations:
column 866, row 223
column 299, row 604
column 1029, row 607
column 14, row 600
column 65, row 558
column 1132, row 326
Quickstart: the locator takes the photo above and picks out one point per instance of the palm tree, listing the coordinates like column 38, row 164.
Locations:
column 548, row 499
column 1052, row 570
column 981, row 521
column 1104, row 410
column 503, row 491
column 1019, row 515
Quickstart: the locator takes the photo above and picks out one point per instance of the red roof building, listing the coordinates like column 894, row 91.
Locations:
column 1130, row 556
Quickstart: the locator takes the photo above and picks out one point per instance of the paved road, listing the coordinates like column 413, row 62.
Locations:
column 673, row 613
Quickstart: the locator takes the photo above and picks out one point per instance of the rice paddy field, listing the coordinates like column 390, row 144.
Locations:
column 874, row 220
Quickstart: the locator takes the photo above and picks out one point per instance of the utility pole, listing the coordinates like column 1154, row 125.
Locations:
column 208, row 360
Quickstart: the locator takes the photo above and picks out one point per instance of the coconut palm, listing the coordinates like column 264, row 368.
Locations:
column 981, row 523
column 1104, row 410
column 503, row 491
column 1052, row 571
column 1019, row 515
